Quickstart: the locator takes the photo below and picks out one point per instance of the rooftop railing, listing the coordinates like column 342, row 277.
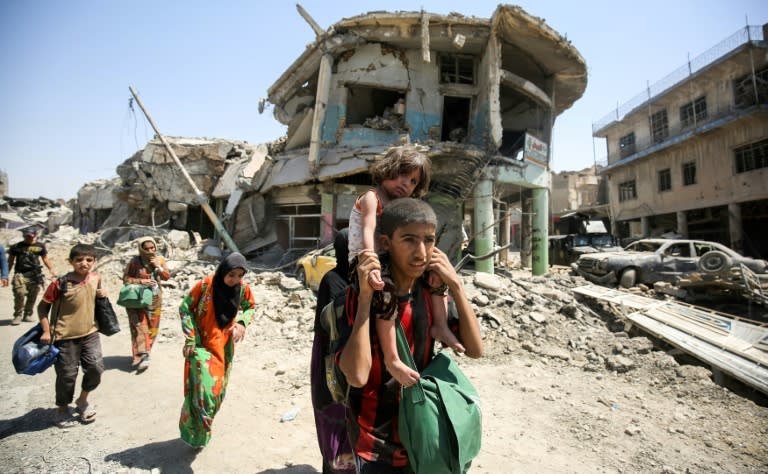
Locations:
column 742, row 36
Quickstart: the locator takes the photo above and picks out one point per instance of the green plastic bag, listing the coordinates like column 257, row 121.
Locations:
column 440, row 423
column 135, row 296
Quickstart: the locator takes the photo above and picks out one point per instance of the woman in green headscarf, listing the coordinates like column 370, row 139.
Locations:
column 146, row 269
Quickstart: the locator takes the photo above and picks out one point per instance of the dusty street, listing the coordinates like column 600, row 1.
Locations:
column 544, row 408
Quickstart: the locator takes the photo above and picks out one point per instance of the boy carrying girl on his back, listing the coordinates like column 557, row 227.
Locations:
column 72, row 328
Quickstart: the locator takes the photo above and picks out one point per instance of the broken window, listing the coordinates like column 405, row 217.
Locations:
column 679, row 250
column 689, row 173
column 455, row 119
column 659, row 126
column 627, row 191
column 693, row 112
column 744, row 89
column 512, row 143
column 665, row 180
column 627, row 144
column 298, row 226
column 381, row 109
column 751, row 157
column 457, row 69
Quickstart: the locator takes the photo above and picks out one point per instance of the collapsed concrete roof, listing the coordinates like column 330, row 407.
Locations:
column 536, row 49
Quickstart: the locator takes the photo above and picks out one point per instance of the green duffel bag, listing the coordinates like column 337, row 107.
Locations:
column 440, row 423
column 135, row 296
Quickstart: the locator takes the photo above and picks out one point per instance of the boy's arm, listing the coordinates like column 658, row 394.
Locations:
column 355, row 360
column 469, row 328
column 51, row 293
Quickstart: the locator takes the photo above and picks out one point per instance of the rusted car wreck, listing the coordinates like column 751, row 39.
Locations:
column 479, row 95
column 691, row 269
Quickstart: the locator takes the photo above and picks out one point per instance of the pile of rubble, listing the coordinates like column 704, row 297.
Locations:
column 518, row 312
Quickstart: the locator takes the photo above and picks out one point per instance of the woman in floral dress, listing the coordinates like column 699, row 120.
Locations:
column 147, row 268
column 211, row 325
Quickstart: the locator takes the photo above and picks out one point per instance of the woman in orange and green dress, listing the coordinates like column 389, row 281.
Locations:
column 214, row 315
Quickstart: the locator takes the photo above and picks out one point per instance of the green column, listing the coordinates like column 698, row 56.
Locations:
column 540, row 232
column 326, row 215
column 483, row 195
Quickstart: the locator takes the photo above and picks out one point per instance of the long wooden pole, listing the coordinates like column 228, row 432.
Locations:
column 201, row 197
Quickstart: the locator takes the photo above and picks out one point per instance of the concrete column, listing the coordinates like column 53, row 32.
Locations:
column 483, row 217
column 504, row 238
column 735, row 228
column 321, row 105
column 645, row 226
column 540, row 232
column 682, row 223
column 327, row 212
column 525, row 231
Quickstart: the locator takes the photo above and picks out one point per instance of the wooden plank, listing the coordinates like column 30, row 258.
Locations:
column 740, row 368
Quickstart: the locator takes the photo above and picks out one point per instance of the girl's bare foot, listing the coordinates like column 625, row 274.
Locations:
column 444, row 335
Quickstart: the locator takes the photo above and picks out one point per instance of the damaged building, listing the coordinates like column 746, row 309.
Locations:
column 480, row 97
column 690, row 154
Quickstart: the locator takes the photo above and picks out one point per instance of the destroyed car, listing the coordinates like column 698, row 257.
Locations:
column 566, row 249
column 311, row 267
column 650, row 260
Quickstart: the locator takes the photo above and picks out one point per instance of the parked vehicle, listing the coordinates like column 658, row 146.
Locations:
column 311, row 267
column 579, row 233
column 650, row 260
column 566, row 249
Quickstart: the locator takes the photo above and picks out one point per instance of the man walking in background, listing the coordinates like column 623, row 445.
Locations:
column 24, row 257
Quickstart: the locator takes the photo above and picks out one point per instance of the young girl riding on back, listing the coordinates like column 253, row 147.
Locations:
column 403, row 172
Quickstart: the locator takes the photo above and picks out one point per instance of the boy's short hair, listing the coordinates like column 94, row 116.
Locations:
column 79, row 250
column 405, row 211
column 401, row 160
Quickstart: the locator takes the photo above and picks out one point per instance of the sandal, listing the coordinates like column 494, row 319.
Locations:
column 87, row 413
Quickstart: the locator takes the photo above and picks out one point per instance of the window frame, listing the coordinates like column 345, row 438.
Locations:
column 750, row 157
column 664, row 180
column 693, row 112
column 458, row 66
column 659, row 123
column 627, row 190
column 689, row 173
column 627, row 144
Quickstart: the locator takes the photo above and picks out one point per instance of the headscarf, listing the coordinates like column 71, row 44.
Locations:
column 226, row 299
column 143, row 254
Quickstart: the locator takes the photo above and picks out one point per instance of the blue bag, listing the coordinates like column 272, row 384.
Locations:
column 29, row 356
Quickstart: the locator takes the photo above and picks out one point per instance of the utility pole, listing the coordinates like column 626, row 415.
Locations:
column 201, row 197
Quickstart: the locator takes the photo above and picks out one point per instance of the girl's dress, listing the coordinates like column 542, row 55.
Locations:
column 206, row 372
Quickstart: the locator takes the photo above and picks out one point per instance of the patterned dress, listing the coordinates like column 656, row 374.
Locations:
column 206, row 372
column 145, row 323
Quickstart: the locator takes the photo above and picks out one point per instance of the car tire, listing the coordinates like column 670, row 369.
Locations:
column 714, row 261
column 301, row 275
column 628, row 278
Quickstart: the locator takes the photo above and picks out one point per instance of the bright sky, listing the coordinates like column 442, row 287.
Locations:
column 200, row 68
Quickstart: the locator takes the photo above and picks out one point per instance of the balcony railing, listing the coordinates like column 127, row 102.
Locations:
column 742, row 36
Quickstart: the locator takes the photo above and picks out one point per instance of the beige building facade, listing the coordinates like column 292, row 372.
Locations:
column 690, row 154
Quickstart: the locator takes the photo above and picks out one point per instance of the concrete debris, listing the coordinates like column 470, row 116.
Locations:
column 517, row 312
